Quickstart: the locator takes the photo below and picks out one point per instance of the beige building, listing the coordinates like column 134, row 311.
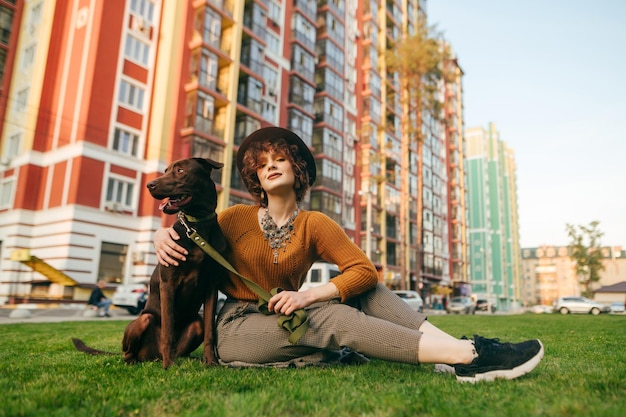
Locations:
column 549, row 273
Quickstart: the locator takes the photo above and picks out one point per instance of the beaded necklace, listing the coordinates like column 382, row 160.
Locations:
column 277, row 237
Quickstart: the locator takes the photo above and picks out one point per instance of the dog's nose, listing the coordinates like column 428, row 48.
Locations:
column 151, row 185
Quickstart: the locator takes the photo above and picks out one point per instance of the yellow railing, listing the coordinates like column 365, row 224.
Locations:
column 39, row 265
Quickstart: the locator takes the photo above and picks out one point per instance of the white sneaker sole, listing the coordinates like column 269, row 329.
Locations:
column 516, row 372
column 442, row 368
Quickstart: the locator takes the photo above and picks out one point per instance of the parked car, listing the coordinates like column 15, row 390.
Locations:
column 132, row 297
column 618, row 307
column 566, row 305
column 464, row 305
column 412, row 298
column 481, row 305
column 540, row 309
column 320, row 273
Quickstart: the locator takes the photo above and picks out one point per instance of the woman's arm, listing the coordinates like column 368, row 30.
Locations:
column 287, row 302
column 168, row 252
column 358, row 274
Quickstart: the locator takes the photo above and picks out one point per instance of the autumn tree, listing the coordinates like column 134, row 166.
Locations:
column 419, row 60
column 418, row 63
column 586, row 251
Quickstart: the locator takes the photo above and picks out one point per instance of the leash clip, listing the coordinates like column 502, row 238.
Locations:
column 189, row 230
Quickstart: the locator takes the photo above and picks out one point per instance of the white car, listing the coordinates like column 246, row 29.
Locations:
column 618, row 307
column 461, row 305
column 565, row 305
column 540, row 309
column 412, row 298
column 132, row 297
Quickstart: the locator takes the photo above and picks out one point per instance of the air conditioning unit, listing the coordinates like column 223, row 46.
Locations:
column 140, row 25
column 113, row 206
column 349, row 169
column 139, row 257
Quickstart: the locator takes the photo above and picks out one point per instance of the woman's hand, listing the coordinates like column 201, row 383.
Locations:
column 168, row 252
column 286, row 302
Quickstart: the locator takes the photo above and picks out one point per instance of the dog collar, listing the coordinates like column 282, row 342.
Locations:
column 192, row 219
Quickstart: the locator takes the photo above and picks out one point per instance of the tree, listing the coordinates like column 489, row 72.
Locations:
column 586, row 251
column 419, row 61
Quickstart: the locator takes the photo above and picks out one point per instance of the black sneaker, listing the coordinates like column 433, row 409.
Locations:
column 500, row 360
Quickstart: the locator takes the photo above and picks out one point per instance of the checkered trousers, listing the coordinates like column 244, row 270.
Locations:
column 377, row 324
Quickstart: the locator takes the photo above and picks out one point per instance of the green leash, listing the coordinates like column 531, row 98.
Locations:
column 297, row 323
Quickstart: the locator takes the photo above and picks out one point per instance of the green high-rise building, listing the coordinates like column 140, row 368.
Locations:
column 493, row 232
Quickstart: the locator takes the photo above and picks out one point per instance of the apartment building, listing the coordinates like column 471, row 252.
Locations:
column 493, row 228
column 457, row 186
column 105, row 97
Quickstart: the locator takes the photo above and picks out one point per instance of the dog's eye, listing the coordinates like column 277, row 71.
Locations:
column 180, row 170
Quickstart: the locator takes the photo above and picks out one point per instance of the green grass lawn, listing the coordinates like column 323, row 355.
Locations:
column 583, row 374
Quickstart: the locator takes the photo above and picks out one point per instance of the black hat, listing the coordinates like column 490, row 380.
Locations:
column 276, row 133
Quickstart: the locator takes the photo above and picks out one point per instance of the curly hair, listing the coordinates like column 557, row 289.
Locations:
column 279, row 146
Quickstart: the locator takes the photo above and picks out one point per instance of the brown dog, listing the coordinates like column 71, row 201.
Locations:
column 169, row 325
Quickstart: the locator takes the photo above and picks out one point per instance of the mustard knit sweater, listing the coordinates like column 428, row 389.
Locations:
column 315, row 237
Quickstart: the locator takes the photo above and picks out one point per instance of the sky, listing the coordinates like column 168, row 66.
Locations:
column 551, row 76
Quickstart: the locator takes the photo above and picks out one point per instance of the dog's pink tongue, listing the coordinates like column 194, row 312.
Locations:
column 164, row 204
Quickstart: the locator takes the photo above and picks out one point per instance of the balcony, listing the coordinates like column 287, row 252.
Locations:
column 303, row 39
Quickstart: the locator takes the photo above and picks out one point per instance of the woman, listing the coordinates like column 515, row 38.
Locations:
column 275, row 242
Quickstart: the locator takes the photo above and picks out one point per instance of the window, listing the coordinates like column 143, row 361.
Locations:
column 203, row 148
column 208, row 70
column 304, row 31
column 131, row 95
column 300, row 124
column 270, row 75
column 7, row 187
column 212, row 28
column 22, row 99
column 316, row 276
column 137, row 50
column 29, row 56
column 125, row 142
column 274, row 12
column 112, row 262
column 332, row 171
column 328, row 204
column 205, row 107
column 302, row 62
column 301, row 93
column 329, row 81
column 329, row 112
column 143, row 8
column 269, row 111
column 35, row 13
column 13, row 146
column 120, row 192
column 3, row 60
column 273, row 42
column 6, row 21
column 328, row 143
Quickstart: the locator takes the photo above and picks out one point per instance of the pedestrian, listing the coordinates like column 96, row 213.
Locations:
column 98, row 301
column 274, row 242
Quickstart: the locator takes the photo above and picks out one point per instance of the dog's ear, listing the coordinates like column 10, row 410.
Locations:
column 209, row 164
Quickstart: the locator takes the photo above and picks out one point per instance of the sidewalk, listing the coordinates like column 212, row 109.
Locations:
column 41, row 313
